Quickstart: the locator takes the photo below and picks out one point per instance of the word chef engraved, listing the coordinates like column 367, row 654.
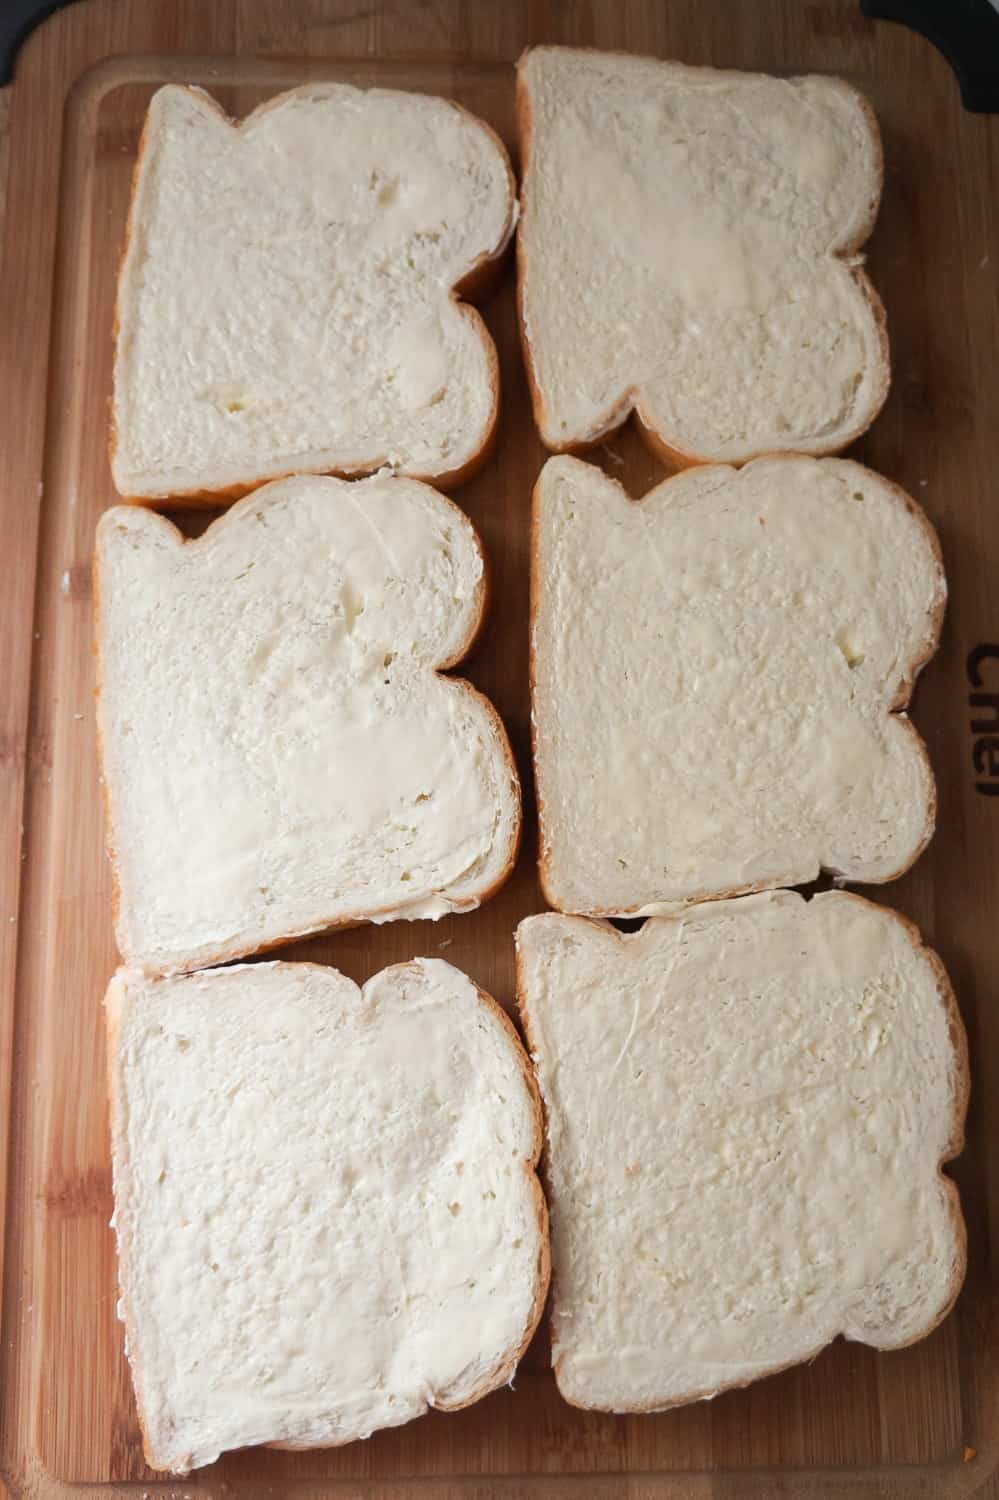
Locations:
column 983, row 702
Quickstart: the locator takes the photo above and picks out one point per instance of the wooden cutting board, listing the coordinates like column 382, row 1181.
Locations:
column 921, row 1422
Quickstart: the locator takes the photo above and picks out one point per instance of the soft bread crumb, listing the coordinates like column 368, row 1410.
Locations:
column 286, row 301
column 789, row 1077
column 688, row 250
column 717, row 670
column 281, row 754
column 289, row 1151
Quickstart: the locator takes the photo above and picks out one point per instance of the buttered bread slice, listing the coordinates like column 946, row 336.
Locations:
column 280, row 751
column 746, row 1111
column 719, row 674
column 688, row 250
column 327, row 1214
column 288, row 299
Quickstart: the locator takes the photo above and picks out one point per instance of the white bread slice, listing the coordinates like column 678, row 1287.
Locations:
column 327, row 1213
column 746, row 1108
column 288, row 296
column 280, row 755
column 688, row 250
column 717, row 674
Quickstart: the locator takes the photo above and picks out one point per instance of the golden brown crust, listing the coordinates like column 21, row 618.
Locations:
column 896, row 705
column 629, row 404
column 230, row 952
column 474, row 283
column 953, row 1147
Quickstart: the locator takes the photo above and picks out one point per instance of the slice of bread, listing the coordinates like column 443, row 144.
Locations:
column 718, row 671
column 288, row 296
column 326, row 1207
column 688, row 251
column 280, row 754
column 747, row 1108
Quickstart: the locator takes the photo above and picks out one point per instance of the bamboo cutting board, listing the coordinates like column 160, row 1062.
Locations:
column 920, row 1422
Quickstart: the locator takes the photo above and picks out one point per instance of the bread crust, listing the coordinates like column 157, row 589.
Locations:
column 895, row 709
column 476, row 282
column 952, row 1149
column 503, row 1372
column 236, row 950
column 670, row 451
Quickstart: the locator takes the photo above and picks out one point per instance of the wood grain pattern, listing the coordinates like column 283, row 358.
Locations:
column 891, row 1425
